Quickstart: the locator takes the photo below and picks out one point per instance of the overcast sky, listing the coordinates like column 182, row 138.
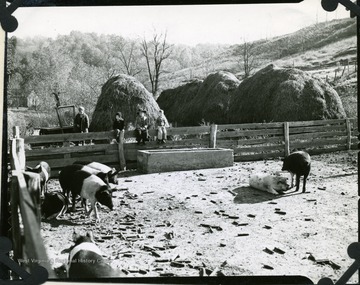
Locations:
column 225, row 24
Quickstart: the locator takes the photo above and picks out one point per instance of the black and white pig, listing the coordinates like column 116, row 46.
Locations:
column 86, row 260
column 54, row 205
column 90, row 187
column 66, row 174
column 111, row 173
column 298, row 163
column 44, row 170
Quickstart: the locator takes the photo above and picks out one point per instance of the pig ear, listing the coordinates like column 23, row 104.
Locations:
column 90, row 235
column 75, row 235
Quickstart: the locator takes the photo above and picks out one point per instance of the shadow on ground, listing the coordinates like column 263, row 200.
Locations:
column 248, row 195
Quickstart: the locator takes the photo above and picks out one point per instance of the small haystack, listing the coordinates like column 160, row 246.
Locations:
column 122, row 93
column 284, row 94
column 200, row 102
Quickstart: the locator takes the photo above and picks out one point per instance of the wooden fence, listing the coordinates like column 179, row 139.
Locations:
column 27, row 242
column 249, row 142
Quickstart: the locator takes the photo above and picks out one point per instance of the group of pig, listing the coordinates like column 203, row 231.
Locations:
column 297, row 163
column 89, row 180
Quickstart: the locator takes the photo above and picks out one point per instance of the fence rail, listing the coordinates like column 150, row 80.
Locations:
column 249, row 142
column 25, row 217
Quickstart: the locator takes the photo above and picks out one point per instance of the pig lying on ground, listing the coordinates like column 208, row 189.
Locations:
column 86, row 261
column 273, row 184
column 54, row 205
column 298, row 163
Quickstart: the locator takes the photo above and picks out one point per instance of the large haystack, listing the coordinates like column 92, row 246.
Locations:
column 200, row 101
column 176, row 102
column 122, row 93
column 284, row 94
column 212, row 102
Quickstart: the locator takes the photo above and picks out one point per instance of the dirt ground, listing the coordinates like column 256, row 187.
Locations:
column 209, row 221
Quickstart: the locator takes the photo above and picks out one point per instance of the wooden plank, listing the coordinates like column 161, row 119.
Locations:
column 317, row 135
column 174, row 131
column 316, row 129
column 259, row 156
column 348, row 129
column 122, row 162
column 251, row 126
column 259, row 149
column 250, row 133
column 317, row 143
column 34, row 245
column 286, row 138
column 69, row 137
column 59, row 163
column 71, row 149
column 326, row 150
column 15, row 224
column 317, row 123
column 188, row 130
column 213, row 131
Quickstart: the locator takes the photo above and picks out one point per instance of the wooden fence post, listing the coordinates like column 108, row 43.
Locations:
column 348, row 132
column 19, row 148
column 213, row 131
column 286, row 138
column 122, row 161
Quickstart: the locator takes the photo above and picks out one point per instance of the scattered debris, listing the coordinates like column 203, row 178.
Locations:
column 268, row 267
column 251, row 216
column 267, row 227
column 268, row 250
column 278, row 250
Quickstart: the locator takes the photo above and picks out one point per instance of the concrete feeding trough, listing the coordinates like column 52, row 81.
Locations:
column 166, row 160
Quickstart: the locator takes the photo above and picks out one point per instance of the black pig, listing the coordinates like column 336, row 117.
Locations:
column 298, row 163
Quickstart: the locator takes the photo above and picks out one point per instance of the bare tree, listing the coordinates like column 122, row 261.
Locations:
column 155, row 52
column 248, row 58
column 128, row 59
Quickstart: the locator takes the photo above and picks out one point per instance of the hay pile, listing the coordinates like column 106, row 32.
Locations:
column 200, row 102
column 177, row 102
column 122, row 93
column 284, row 94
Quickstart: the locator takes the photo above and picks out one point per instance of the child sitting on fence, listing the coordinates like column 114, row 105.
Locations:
column 162, row 124
column 118, row 125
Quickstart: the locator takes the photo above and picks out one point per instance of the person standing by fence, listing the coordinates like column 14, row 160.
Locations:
column 162, row 124
column 141, row 127
column 81, row 122
column 118, row 125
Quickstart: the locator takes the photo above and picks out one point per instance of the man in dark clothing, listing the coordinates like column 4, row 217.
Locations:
column 141, row 127
column 118, row 125
column 81, row 122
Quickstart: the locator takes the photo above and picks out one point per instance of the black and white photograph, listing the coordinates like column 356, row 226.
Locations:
column 183, row 140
